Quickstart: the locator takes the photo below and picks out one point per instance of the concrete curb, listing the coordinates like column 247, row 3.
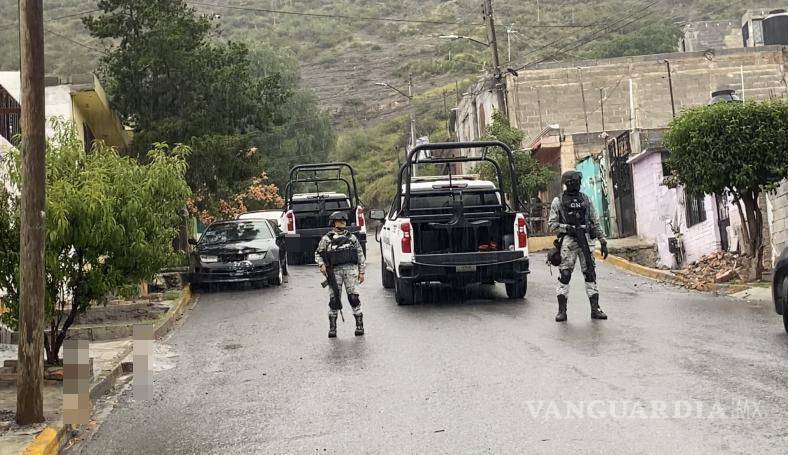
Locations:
column 637, row 269
column 48, row 442
column 665, row 276
column 51, row 440
column 536, row 244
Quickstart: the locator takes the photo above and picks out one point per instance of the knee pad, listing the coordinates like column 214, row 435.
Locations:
column 590, row 275
column 565, row 276
column 334, row 304
column 354, row 300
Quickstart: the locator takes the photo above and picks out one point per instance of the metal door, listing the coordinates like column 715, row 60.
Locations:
column 723, row 221
column 620, row 151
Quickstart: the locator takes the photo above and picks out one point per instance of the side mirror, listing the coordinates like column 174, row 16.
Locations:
column 192, row 242
column 377, row 215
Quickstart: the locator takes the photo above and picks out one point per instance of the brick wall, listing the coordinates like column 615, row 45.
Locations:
column 552, row 91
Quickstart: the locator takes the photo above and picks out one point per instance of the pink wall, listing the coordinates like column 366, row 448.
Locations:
column 656, row 204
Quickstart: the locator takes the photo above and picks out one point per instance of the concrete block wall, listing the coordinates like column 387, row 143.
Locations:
column 777, row 209
column 699, row 36
column 552, row 92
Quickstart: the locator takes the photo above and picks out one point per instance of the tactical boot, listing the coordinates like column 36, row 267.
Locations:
column 332, row 326
column 596, row 312
column 359, row 324
column 561, row 316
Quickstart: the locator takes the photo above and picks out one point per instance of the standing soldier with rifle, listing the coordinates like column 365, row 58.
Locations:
column 341, row 259
column 573, row 218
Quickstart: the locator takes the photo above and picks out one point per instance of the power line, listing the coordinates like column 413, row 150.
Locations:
column 51, row 19
column 329, row 16
column 86, row 46
column 601, row 21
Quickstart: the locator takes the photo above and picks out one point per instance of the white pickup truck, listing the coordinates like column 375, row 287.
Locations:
column 455, row 230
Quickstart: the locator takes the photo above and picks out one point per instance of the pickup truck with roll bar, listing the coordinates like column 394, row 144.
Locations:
column 305, row 216
column 455, row 230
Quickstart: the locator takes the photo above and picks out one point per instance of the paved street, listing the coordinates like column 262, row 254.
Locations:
column 255, row 373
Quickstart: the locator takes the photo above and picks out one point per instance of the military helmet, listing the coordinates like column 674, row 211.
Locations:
column 337, row 216
column 571, row 175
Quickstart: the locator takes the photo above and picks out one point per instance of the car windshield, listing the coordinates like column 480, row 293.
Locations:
column 237, row 232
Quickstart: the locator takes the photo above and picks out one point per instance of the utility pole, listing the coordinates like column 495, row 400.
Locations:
column 412, row 121
column 509, row 32
column 670, row 85
column 30, row 370
column 489, row 18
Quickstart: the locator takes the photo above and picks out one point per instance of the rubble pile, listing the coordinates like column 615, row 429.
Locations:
column 715, row 268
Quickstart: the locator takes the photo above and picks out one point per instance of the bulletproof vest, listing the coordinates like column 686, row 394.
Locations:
column 574, row 209
column 341, row 250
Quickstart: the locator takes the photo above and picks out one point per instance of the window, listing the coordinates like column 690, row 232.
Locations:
column 696, row 209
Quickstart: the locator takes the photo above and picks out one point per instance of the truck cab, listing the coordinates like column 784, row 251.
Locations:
column 454, row 229
column 311, row 197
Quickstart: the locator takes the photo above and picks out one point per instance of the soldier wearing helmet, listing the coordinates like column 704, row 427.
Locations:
column 573, row 218
column 340, row 253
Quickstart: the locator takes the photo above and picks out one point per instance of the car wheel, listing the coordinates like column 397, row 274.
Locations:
column 279, row 279
column 283, row 265
column 785, row 310
column 404, row 292
column 517, row 289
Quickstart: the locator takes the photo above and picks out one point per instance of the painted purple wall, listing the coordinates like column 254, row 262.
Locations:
column 656, row 205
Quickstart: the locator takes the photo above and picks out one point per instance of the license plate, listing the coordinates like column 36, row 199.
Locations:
column 466, row 268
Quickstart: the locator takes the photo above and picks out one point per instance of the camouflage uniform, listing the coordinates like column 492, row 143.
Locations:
column 571, row 250
column 347, row 274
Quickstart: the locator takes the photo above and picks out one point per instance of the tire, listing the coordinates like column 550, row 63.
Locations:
column 404, row 292
column 279, row 278
column 386, row 277
column 295, row 258
column 283, row 265
column 785, row 305
column 517, row 290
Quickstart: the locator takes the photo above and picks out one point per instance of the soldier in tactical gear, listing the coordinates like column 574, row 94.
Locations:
column 573, row 218
column 340, row 253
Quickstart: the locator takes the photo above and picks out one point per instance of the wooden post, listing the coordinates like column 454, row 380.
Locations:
column 30, row 375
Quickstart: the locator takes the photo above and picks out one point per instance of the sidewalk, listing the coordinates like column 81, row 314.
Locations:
column 107, row 357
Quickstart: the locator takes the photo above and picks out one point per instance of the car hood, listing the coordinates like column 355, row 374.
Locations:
column 253, row 246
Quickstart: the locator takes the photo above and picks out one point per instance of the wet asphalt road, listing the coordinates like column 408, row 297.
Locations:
column 255, row 373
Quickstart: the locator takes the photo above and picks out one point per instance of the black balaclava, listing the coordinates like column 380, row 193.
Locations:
column 572, row 179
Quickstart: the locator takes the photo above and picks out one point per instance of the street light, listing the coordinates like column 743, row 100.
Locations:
column 456, row 37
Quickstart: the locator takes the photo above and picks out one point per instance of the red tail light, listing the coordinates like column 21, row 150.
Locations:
column 407, row 241
column 290, row 222
column 522, row 236
column 360, row 217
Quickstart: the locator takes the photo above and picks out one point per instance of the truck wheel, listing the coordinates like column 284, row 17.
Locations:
column 295, row 258
column 387, row 276
column 517, row 289
column 404, row 292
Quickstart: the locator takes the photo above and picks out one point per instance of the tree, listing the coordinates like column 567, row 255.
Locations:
column 110, row 223
column 532, row 176
column 736, row 149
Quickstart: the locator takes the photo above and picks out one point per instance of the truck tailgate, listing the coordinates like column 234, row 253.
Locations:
column 478, row 258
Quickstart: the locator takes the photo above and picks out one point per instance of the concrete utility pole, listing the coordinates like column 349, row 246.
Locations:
column 30, row 370
column 490, row 20
column 412, row 113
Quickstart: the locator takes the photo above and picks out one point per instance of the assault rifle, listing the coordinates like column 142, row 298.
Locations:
column 579, row 234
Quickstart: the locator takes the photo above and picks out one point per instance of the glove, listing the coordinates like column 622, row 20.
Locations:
column 604, row 248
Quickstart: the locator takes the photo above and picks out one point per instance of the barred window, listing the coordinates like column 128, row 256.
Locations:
column 696, row 209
